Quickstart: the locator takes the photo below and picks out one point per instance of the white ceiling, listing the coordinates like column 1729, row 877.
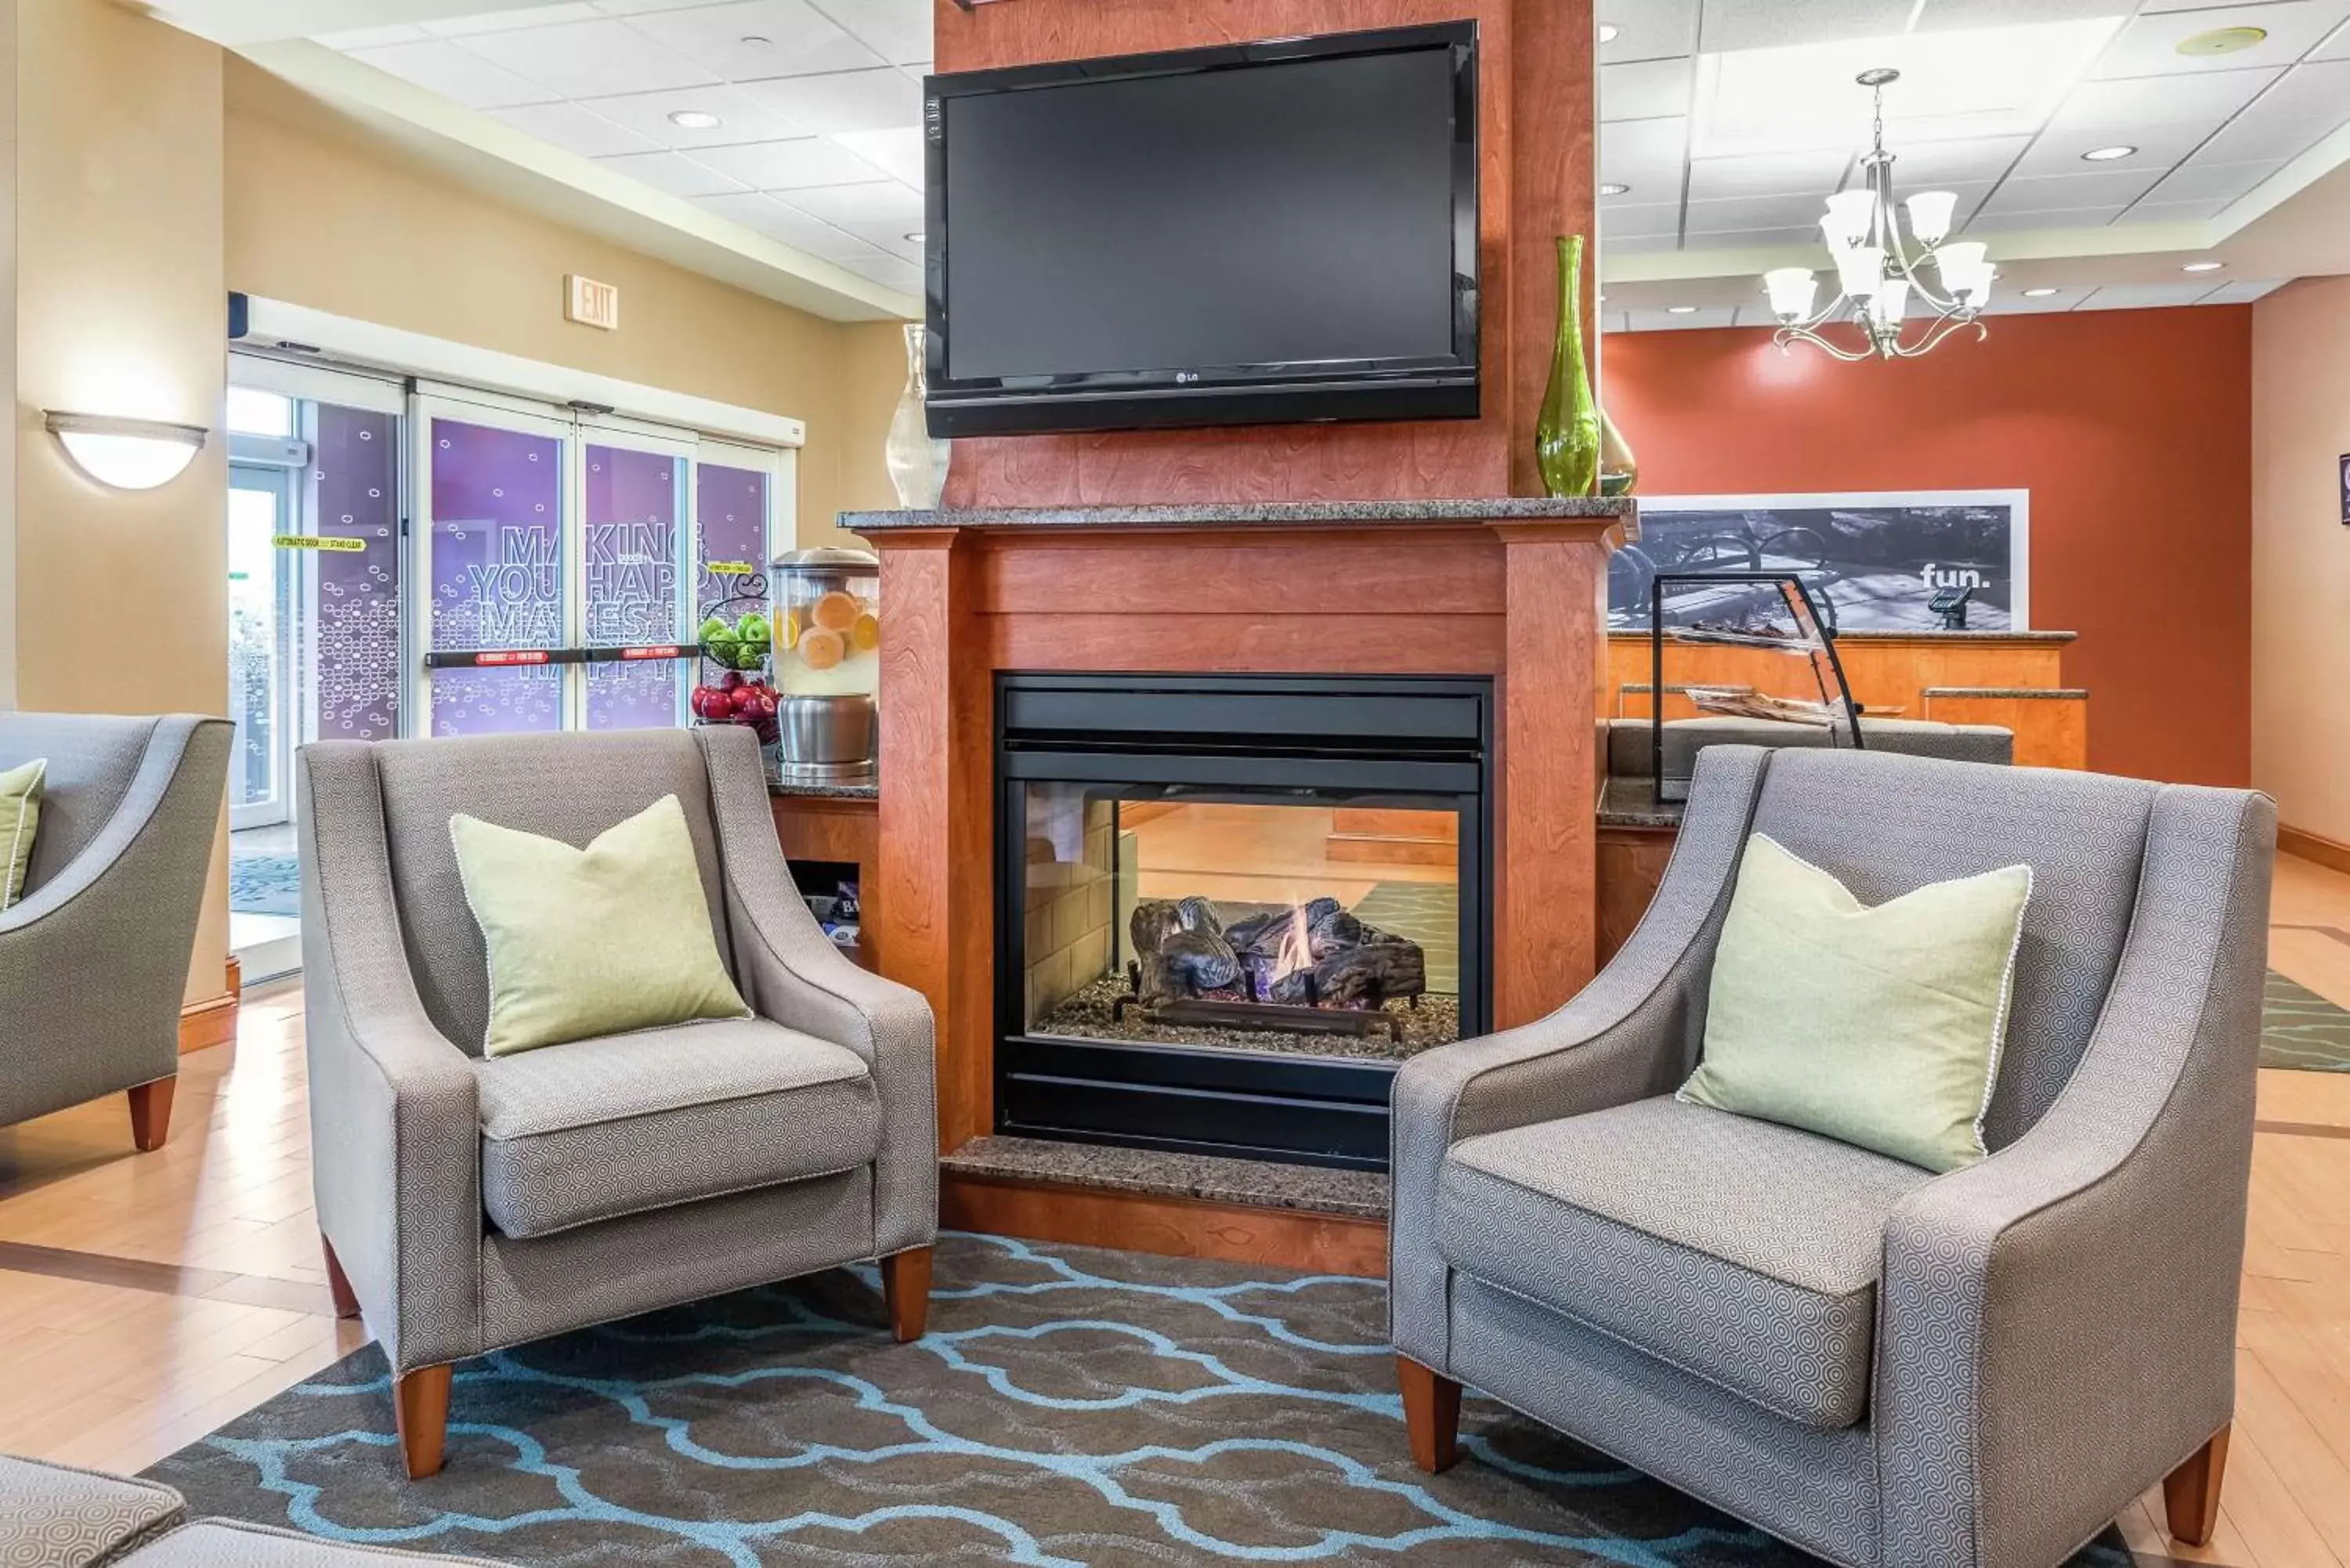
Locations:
column 1728, row 122
column 819, row 104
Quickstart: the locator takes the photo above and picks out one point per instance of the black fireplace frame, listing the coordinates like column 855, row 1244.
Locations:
column 1423, row 741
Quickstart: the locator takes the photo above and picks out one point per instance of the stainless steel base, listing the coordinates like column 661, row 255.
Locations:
column 825, row 773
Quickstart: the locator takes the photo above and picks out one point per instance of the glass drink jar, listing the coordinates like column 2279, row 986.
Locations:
column 829, row 623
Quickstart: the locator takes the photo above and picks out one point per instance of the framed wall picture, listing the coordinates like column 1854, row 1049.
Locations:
column 2345, row 489
column 1874, row 560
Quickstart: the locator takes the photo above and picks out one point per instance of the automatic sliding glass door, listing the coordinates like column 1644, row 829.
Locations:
column 636, row 526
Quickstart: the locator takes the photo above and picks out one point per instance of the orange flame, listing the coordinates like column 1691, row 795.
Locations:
column 1296, row 950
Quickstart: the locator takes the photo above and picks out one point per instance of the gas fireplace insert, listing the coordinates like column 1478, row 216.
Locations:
column 1228, row 906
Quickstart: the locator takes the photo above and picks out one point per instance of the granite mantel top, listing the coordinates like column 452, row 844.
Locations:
column 1253, row 514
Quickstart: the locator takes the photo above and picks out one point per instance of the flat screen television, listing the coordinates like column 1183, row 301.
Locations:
column 1252, row 233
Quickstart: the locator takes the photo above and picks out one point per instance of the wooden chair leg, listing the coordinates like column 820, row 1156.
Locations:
column 346, row 1300
column 1431, row 1416
column 150, row 1114
column 2190, row 1494
column 420, row 1407
column 906, row 1282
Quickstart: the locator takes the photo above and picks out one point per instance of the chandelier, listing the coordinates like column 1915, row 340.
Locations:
column 1878, row 272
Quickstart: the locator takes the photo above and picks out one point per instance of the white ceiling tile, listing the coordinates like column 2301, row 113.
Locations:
column 877, row 201
column 753, row 39
column 899, row 154
column 2117, row 110
column 1988, row 222
column 2007, row 300
column 455, row 72
column 2244, row 292
column 883, row 100
column 2070, row 192
column 1645, row 89
column 589, row 59
column 1939, row 165
column 890, row 237
column 740, row 118
column 2158, row 147
column 2200, row 181
column 2311, row 102
column 1767, row 174
column 1644, row 247
column 789, row 165
column 1754, row 239
column 897, row 30
column 373, row 37
column 2146, row 296
column 673, row 173
column 1801, row 214
column 2193, row 212
column 1648, row 221
column 575, row 130
column 1653, row 320
column 777, row 221
column 888, row 271
column 1647, row 29
column 1645, row 154
column 2336, row 47
column 1776, row 24
column 2148, row 46
column 1957, row 16
column 500, row 21
column 639, row 7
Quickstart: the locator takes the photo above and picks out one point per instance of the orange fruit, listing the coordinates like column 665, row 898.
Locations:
column 821, row 648
column 791, row 631
column 836, row 611
column 865, row 635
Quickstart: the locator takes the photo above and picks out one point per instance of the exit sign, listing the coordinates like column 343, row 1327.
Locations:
column 591, row 304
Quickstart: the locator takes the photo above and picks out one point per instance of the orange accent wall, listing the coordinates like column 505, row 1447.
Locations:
column 2132, row 429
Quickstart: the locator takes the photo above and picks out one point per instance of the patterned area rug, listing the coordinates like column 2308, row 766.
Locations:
column 1069, row 1408
column 2301, row 1030
column 261, row 884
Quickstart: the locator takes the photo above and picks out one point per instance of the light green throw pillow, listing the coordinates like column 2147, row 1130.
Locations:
column 1876, row 1027
column 20, row 813
column 600, row 941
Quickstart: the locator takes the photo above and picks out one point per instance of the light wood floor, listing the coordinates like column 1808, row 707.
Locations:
column 145, row 1299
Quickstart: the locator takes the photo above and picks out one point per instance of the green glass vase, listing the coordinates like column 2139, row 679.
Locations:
column 1566, row 437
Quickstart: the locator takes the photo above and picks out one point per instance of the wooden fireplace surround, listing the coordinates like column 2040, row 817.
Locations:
column 1511, row 589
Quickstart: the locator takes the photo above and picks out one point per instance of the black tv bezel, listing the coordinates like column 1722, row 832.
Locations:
column 1179, row 396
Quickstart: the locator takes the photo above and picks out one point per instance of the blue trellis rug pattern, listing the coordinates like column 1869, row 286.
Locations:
column 1068, row 1408
column 263, row 883
column 2301, row 1030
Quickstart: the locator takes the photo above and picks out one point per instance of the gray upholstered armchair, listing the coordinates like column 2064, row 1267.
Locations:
column 1883, row 1367
column 471, row 1203
column 94, row 957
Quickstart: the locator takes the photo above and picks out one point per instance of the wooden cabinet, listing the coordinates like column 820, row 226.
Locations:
column 843, row 830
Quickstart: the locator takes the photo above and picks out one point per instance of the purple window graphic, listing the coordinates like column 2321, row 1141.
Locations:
column 355, row 473
column 633, row 502
column 497, row 575
column 732, row 505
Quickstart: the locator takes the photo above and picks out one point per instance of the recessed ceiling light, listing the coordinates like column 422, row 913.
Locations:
column 1612, row 188
column 1680, row 310
column 915, row 238
column 2203, row 267
column 2041, row 293
column 1608, row 32
column 2221, row 41
column 696, row 119
column 2108, row 154
column 753, row 41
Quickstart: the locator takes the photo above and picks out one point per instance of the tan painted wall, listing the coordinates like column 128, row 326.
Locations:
column 119, row 309
column 2301, row 553
column 320, row 216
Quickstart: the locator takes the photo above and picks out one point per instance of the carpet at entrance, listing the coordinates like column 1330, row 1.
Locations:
column 1069, row 1407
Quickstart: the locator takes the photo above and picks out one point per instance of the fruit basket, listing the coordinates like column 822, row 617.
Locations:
column 737, row 642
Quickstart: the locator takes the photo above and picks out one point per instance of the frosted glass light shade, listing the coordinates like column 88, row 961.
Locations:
column 1965, row 269
column 1930, row 214
column 124, row 453
column 1851, row 219
column 1860, row 271
column 1792, row 289
column 1891, row 301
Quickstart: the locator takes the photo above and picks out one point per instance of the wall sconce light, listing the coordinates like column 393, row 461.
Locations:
column 124, row 453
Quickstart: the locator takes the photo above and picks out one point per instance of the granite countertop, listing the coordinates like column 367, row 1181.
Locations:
column 1254, row 514
column 864, row 789
column 1627, row 800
